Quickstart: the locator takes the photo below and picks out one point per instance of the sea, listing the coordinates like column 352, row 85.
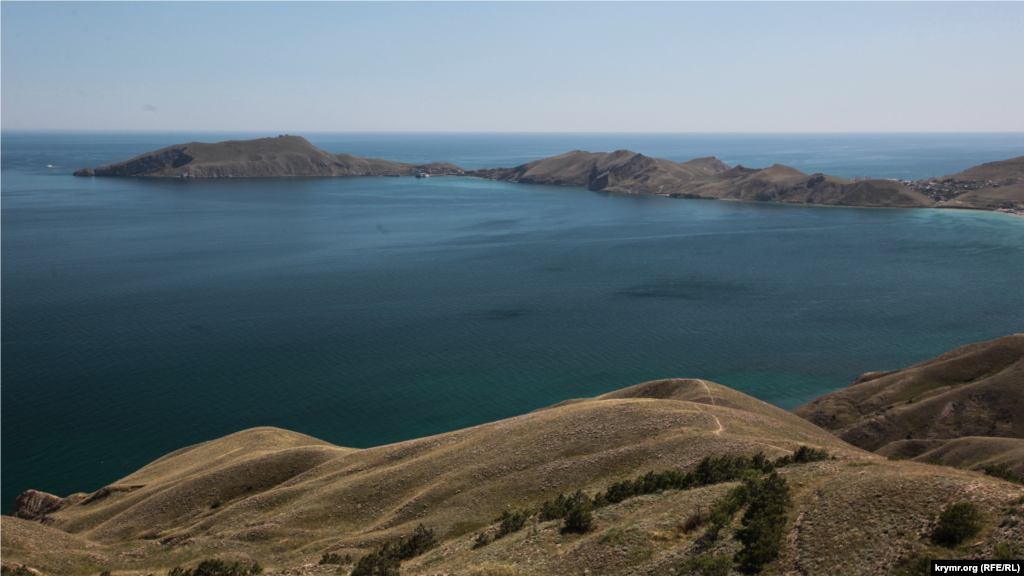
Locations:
column 142, row 315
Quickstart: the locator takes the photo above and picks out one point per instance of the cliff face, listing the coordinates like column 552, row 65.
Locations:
column 260, row 158
column 705, row 178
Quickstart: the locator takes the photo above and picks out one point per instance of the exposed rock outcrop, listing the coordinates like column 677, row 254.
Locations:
column 35, row 505
column 84, row 172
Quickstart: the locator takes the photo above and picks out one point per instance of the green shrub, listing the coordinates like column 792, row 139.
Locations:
column 511, row 523
column 215, row 567
column 806, row 454
column 387, row 559
column 482, row 539
column 560, row 506
column 379, row 563
column 957, row 523
column 19, row 571
column 421, row 540
column 578, row 520
column 803, row 455
column 1002, row 471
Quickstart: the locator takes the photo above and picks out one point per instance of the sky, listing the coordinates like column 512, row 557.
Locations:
column 513, row 67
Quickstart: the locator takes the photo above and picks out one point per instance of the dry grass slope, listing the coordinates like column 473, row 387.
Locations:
column 284, row 499
column 279, row 494
column 972, row 391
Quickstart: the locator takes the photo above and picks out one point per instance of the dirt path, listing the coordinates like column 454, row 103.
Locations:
column 717, row 421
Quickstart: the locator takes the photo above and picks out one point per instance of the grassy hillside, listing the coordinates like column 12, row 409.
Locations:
column 972, row 391
column 284, row 499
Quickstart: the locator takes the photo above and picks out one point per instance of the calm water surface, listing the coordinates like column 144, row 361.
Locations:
column 140, row 316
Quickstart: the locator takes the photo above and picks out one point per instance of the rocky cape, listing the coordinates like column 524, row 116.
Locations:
column 704, row 178
column 284, row 499
column 260, row 158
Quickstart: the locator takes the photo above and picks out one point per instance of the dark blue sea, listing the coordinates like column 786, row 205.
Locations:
column 143, row 315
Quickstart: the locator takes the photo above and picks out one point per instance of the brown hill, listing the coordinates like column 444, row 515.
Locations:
column 262, row 157
column 974, row 452
column 1000, row 185
column 708, row 178
column 1001, row 170
column 973, row 391
column 283, row 499
column 620, row 171
column 780, row 183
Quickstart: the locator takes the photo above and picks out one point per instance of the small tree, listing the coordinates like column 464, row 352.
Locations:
column 578, row 520
column 957, row 523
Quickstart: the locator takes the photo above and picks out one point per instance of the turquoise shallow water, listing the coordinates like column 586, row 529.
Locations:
column 140, row 316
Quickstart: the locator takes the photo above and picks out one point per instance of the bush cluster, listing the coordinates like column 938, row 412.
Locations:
column 575, row 510
column 803, row 455
column 1002, row 470
column 764, row 525
column 215, row 567
column 511, row 522
column 386, row 560
column 19, row 571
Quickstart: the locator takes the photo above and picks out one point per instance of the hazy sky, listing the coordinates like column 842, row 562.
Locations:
column 514, row 67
